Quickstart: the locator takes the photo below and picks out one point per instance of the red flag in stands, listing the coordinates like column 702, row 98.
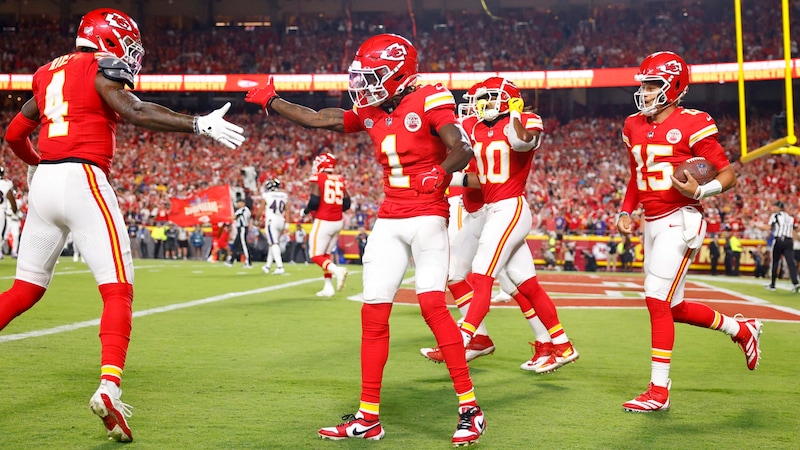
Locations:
column 209, row 206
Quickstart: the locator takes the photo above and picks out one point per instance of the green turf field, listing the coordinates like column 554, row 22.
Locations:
column 226, row 358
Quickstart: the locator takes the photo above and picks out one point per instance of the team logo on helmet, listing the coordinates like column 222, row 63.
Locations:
column 672, row 67
column 116, row 20
column 394, row 52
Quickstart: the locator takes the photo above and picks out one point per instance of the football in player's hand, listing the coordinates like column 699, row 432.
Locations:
column 701, row 169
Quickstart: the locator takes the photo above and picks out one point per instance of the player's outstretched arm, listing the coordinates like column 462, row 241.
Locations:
column 160, row 118
column 328, row 118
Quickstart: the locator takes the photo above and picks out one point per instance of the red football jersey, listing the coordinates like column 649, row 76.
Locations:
column 503, row 172
column 655, row 150
column 406, row 145
column 331, row 195
column 76, row 122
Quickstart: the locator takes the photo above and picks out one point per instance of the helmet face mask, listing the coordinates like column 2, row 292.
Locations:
column 664, row 69
column 649, row 98
column 468, row 109
column 367, row 85
column 112, row 31
column 384, row 66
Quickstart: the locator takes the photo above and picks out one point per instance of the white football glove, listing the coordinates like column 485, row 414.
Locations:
column 31, row 171
column 219, row 129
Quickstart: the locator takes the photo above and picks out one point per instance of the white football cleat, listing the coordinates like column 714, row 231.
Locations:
column 327, row 291
column 501, row 297
column 106, row 405
column 341, row 276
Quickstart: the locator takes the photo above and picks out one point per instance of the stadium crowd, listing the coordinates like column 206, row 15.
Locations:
column 575, row 187
column 450, row 41
column 580, row 172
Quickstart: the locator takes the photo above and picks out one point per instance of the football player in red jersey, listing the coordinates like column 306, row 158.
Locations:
column 78, row 99
column 659, row 138
column 493, row 245
column 419, row 144
column 329, row 198
column 504, row 140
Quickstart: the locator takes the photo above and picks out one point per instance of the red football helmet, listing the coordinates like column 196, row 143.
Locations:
column 671, row 71
column 324, row 162
column 384, row 66
column 468, row 109
column 112, row 31
column 492, row 96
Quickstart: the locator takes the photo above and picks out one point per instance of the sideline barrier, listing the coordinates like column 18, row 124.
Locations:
column 598, row 245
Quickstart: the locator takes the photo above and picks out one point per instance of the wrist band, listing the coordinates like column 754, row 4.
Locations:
column 459, row 179
column 269, row 102
column 713, row 187
column 622, row 213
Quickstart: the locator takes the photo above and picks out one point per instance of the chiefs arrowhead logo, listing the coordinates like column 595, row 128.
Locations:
column 116, row 20
column 672, row 67
column 394, row 52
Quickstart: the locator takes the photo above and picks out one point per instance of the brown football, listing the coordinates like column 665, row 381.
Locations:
column 701, row 169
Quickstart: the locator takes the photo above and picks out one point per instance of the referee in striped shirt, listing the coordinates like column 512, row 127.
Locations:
column 241, row 224
column 783, row 226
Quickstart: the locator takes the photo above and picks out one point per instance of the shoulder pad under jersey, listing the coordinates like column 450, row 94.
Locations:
column 116, row 69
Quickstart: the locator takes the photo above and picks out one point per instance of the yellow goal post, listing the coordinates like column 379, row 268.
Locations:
column 785, row 144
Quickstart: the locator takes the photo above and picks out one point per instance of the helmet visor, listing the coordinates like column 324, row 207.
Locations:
column 366, row 86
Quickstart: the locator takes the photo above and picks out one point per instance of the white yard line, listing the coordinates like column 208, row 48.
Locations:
column 76, row 272
column 147, row 312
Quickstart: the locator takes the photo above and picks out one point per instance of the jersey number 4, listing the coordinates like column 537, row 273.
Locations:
column 55, row 107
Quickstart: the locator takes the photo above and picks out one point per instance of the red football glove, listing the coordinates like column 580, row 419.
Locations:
column 262, row 96
column 427, row 182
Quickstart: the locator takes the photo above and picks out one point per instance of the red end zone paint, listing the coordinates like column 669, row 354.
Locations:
column 595, row 291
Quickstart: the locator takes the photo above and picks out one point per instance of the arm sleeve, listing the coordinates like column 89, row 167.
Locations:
column 631, row 196
column 346, row 204
column 18, row 138
column 313, row 203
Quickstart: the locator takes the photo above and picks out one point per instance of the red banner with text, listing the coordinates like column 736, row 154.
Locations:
column 212, row 205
